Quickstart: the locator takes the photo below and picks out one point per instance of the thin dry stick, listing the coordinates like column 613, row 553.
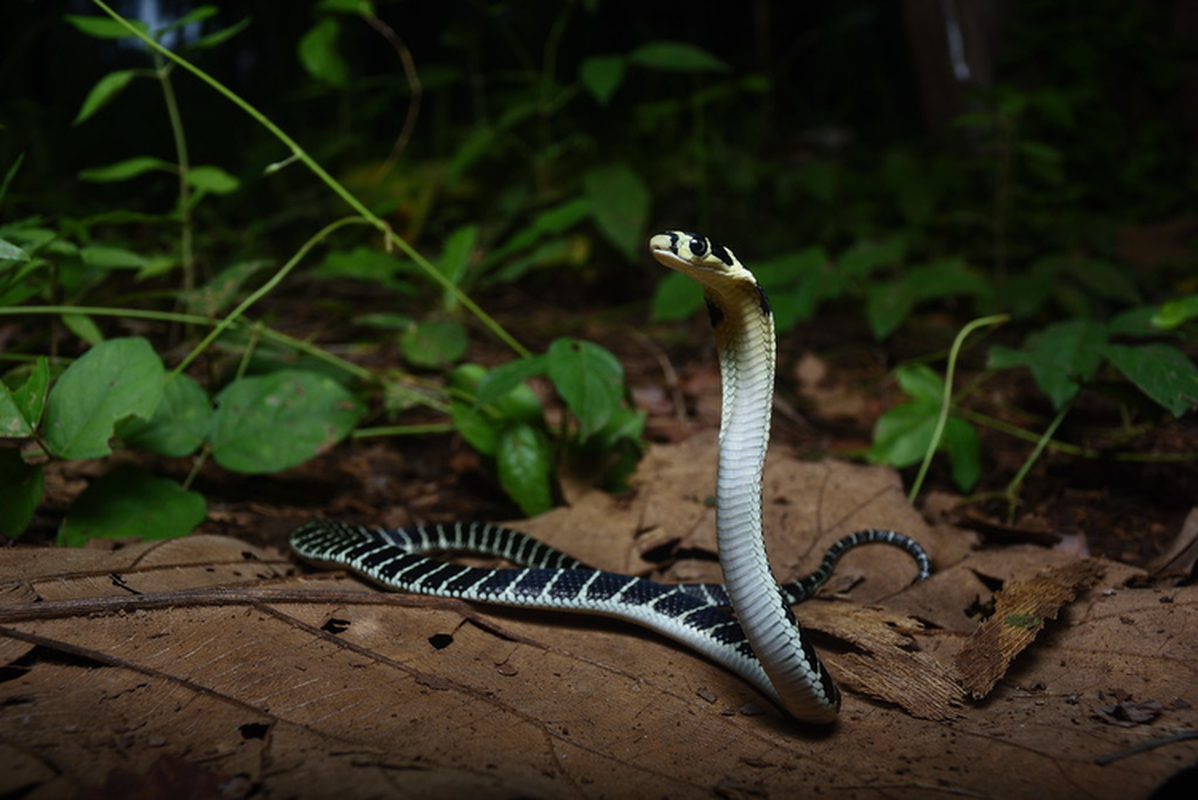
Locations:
column 414, row 86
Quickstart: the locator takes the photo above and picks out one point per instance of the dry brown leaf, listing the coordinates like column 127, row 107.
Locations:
column 1020, row 613
column 274, row 684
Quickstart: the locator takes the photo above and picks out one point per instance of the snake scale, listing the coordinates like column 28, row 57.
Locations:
column 759, row 639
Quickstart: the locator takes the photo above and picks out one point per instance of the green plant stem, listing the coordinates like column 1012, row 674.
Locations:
column 987, row 421
column 195, row 319
column 265, row 288
column 403, row 430
column 353, row 202
column 946, row 401
column 186, row 246
column 1045, row 438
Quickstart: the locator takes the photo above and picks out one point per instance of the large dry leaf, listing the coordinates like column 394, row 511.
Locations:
column 203, row 662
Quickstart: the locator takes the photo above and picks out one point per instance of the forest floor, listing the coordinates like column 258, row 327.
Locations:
column 1043, row 650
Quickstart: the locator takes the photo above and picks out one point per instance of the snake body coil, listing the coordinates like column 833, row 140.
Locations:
column 760, row 640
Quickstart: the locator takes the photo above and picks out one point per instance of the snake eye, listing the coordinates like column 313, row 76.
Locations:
column 698, row 246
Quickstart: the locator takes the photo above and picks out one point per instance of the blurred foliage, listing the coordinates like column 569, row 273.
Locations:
column 535, row 146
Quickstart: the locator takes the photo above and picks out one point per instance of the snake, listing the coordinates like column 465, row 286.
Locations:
column 746, row 624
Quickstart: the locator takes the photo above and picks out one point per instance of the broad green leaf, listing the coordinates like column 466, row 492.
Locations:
column 551, row 221
column 197, row 14
column 124, row 170
column 864, row 257
column 523, row 459
column 887, row 304
column 271, row 422
column 320, row 55
column 1062, row 357
column 1111, row 281
column 964, row 452
column 676, row 56
column 921, row 382
column 84, row 327
column 943, row 278
column 1134, row 322
column 179, row 424
column 12, row 252
column 130, row 503
column 106, row 257
column 30, row 396
column 367, row 264
column 676, row 297
column 105, row 27
column 21, row 488
column 813, row 278
column 507, row 377
column 385, row 319
column 213, row 179
column 113, row 380
column 479, row 429
column 903, row 434
column 602, row 75
column 621, row 205
column 518, row 403
column 1160, row 371
column 589, row 378
column 435, row 344
column 105, row 90
column 1176, row 313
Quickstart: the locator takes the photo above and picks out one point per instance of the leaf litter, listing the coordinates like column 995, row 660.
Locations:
column 207, row 661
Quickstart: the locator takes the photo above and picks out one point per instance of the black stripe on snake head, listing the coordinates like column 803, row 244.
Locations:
column 719, row 251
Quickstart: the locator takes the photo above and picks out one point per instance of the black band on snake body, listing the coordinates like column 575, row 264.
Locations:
column 761, row 640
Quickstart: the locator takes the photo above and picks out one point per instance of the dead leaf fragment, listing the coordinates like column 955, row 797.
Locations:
column 1019, row 614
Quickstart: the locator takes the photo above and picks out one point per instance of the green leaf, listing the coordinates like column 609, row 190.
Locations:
column 676, row 56
column 455, row 256
column 124, row 170
column 864, row 257
column 385, row 319
column 319, row 53
column 271, row 422
column 523, row 460
column 1160, row 371
column 676, row 297
column 179, row 424
column 506, row 377
column 106, row 257
column 1062, row 357
column 13, row 422
column 589, row 378
column 103, row 92
column 30, row 396
column 814, row 279
column 130, row 503
column 964, row 452
column 1176, row 313
column 21, row 489
column 113, row 380
column 216, row 38
column 1107, row 280
column 224, row 288
column 887, row 304
column 11, row 252
column 903, row 434
column 479, row 429
column 602, row 75
column 621, row 205
column 921, row 382
column 435, row 344
column 84, row 327
column 105, row 27
column 213, row 179
column 367, row 264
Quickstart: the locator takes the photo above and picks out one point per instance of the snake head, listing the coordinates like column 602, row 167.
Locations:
column 693, row 254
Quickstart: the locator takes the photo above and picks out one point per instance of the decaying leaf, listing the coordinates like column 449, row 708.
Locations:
column 1019, row 614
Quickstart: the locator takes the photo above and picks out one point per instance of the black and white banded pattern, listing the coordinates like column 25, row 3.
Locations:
column 695, row 615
